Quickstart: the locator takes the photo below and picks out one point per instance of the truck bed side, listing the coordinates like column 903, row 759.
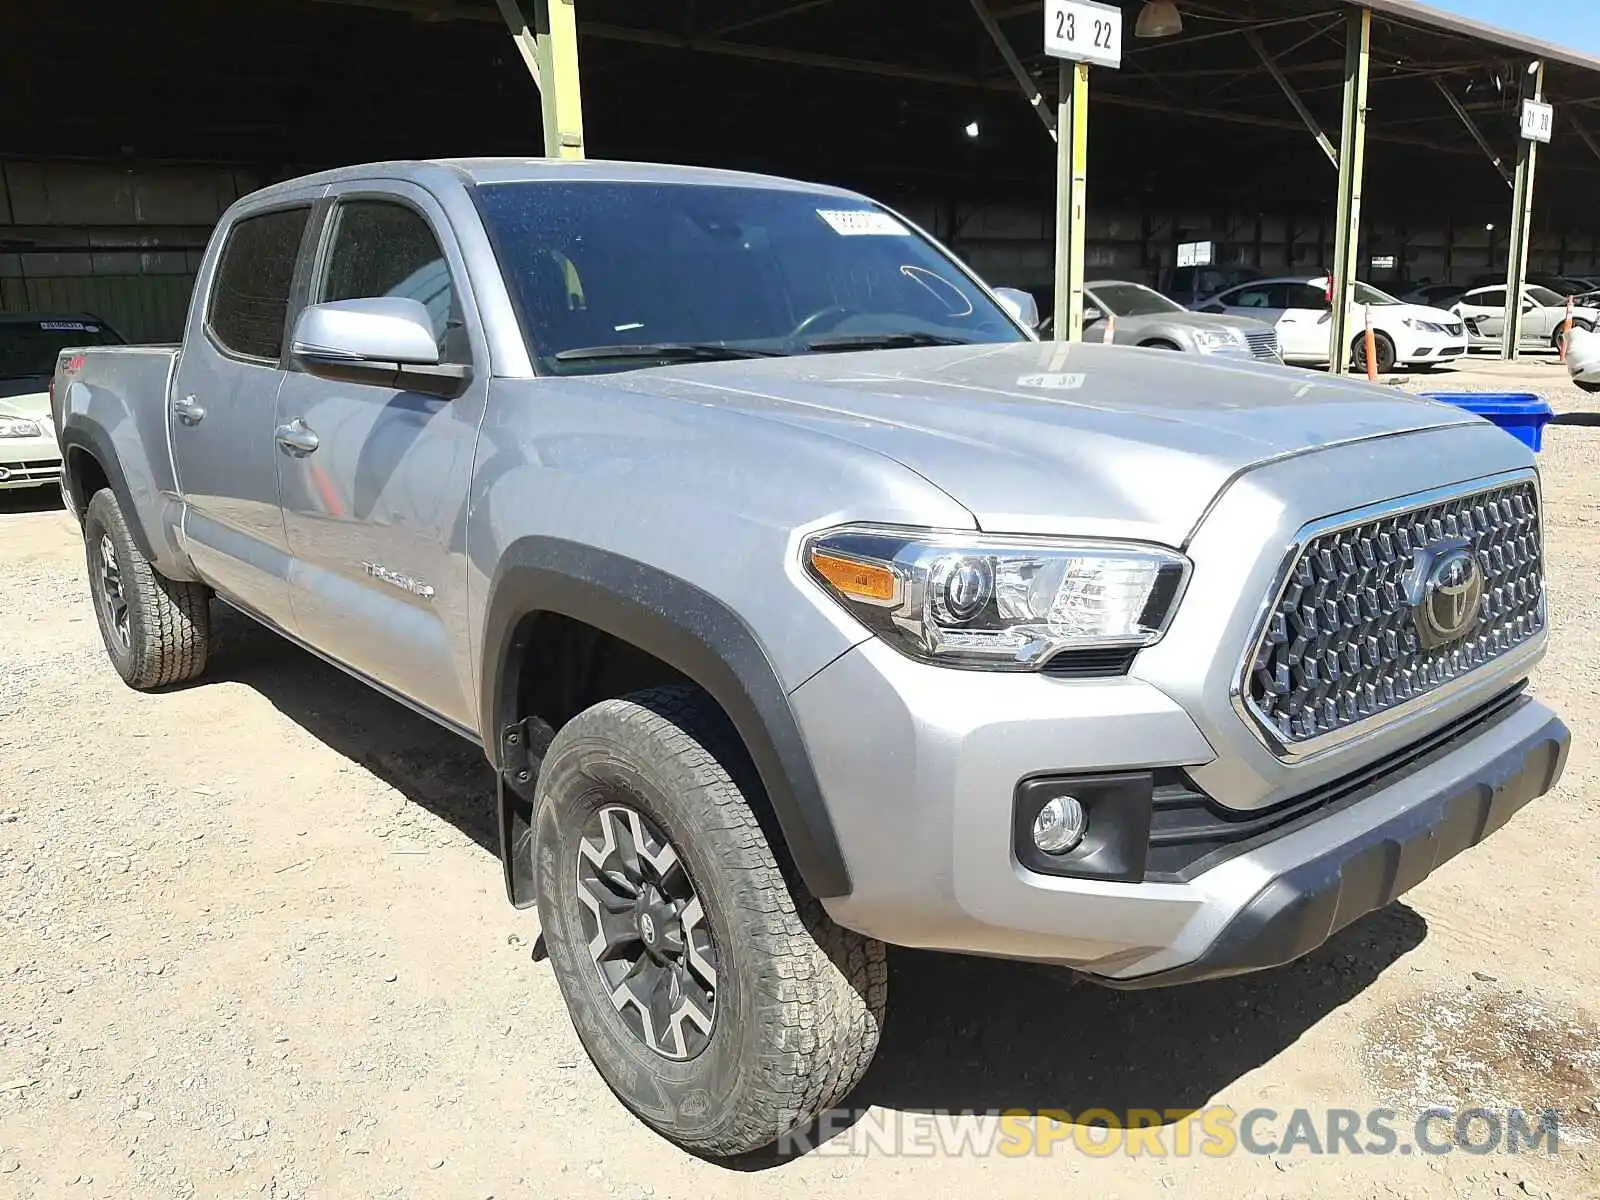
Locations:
column 110, row 407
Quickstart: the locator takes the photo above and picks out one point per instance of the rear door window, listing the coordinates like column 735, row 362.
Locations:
column 1306, row 295
column 250, row 297
column 1258, row 295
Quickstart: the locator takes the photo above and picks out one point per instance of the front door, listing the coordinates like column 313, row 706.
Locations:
column 1486, row 310
column 221, row 412
column 374, row 478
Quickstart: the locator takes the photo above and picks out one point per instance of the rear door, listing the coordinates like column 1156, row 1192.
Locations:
column 376, row 513
column 221, row 408
column 1306, row 328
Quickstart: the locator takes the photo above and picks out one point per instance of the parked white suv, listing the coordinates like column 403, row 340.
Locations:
column 1544, row 315
column 1406, row 334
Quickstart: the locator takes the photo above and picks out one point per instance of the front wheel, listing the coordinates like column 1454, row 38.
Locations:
column 1383, row 347
column 157, row 631
column 718, row 1001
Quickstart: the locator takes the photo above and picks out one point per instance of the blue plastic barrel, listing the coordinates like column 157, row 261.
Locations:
column 1521, row 414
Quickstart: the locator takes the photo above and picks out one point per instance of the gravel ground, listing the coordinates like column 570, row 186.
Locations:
column 253, row 943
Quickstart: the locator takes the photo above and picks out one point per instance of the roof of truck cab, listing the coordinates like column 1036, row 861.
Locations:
column 534, row 170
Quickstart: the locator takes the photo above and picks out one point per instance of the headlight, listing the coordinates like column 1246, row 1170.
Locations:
column 1006, row 603
column 1206, row 340
column 16, row 427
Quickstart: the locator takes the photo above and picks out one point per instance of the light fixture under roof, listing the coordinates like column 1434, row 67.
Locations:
column 1158, row 19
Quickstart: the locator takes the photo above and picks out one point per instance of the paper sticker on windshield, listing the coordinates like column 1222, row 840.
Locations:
column 1052, row 383
column 65, row 327
column 856, row 222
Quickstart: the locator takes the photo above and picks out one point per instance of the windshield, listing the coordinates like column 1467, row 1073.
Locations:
column 1367, row 294
column 1544, row 297
column 1131, row 300
column 30, row 348
column 620, row 268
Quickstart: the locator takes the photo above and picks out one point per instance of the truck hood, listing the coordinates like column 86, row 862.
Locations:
column 1038, row 437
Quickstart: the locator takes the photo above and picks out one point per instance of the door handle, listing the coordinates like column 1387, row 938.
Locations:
column 187, row 411
column 297, row 439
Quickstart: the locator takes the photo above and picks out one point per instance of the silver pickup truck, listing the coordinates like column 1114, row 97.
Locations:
column 804, row 602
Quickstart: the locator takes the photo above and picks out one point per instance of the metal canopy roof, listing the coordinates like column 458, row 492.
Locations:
column 870, row 95
column 1426, row 15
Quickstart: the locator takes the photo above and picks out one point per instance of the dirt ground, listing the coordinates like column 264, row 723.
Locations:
column 253, row 943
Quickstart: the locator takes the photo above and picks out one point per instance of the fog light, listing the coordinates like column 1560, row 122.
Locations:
column 1060, row 825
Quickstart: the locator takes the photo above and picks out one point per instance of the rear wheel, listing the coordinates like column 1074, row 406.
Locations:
column 717, row 1000
column 1558, row 339
column 156, row 630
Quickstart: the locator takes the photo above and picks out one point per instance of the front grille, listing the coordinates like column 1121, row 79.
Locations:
column 30, row 472
column 1342, row 643
column 1263, row 344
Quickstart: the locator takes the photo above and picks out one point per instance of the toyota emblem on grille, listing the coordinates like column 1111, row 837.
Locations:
column 1445, row 588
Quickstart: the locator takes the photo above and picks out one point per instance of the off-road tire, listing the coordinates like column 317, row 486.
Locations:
column 799, row 1000
column 168, row 622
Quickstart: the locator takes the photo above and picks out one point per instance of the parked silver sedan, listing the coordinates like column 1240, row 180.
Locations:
column 1144, row 317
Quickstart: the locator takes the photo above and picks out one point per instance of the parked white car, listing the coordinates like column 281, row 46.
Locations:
column 1405, row 334
column 1544, row 313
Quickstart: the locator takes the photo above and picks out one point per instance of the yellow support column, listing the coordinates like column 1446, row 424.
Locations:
column 1072, row 199
column 560, row 93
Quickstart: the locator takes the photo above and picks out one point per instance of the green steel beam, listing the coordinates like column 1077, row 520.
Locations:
column 1291, row 95
column 1531, row 88
column 1352, row 166
column 1472, row 128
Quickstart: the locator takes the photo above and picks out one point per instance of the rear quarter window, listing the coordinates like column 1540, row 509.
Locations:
column 250, row 295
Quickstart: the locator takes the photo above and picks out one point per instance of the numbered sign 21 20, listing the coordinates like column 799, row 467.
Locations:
column 1083, row 31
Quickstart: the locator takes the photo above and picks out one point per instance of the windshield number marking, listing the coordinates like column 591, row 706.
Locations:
column 862, row 223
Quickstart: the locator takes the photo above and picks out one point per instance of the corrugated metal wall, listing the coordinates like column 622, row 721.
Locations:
column 121, row 242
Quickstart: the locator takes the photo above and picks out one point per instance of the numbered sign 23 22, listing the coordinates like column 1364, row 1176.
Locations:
column 1085, row 31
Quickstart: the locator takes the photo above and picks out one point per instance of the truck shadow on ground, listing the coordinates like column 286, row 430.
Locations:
column 969, row 1034
column 964, row 1035
column 424, row 762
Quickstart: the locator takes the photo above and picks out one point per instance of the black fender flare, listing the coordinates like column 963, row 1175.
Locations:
column 688, row 629
column 95, row 442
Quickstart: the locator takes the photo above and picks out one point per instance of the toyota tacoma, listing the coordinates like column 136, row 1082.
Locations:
column 805, row 603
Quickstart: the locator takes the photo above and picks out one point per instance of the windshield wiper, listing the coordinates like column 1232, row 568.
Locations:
column 684, row 351
column 881, row 341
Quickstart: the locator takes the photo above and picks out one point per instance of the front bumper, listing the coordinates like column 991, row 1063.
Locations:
column 921, row 797
column 1428, row 346
column 1300, row 908
column 29, row 462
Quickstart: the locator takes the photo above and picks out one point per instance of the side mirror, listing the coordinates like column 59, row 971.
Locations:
column 385, row 341
column 1020, row 304
column 1091, row 314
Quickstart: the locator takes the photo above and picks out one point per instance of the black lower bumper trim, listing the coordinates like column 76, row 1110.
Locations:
column 1305, row 906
